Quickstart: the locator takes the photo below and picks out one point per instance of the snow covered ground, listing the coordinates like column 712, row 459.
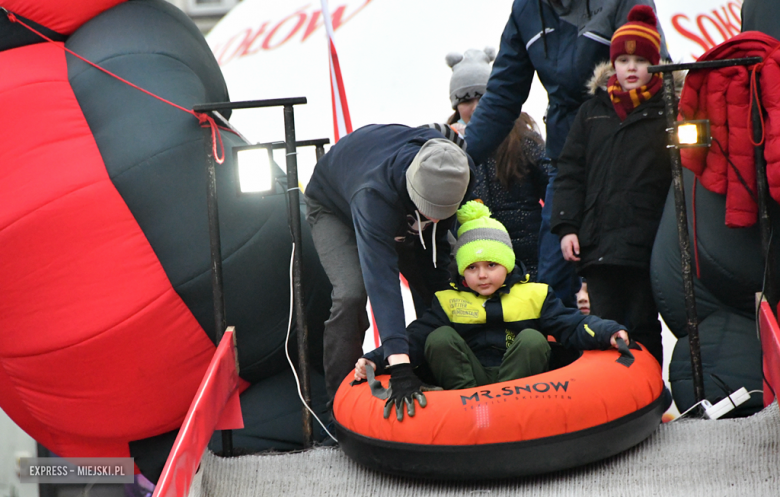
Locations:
column 689, row 457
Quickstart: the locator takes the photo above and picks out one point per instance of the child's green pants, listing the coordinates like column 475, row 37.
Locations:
column 455, row 366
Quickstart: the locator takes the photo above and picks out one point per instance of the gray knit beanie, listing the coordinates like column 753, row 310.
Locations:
column 437, row 178
column 470, row 74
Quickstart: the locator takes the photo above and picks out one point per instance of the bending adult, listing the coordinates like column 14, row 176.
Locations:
column 560, row 41
column 380, row 203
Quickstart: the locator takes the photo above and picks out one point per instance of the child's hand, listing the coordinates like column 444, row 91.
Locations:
column 620, row 334
column 360, row 368
column 570, row 246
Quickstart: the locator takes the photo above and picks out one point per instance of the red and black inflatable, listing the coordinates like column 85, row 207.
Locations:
column 597, row 406
column 726, row 248
column 106, row 317
column 731, row 271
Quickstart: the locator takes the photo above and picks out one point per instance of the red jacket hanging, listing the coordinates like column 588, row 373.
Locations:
column 723, row 96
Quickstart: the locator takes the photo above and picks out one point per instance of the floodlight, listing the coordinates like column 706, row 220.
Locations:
column 254, row 169
column 693, row 134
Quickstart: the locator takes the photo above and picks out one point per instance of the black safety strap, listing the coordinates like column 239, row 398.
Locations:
column 494, row 311
column 626, row 357
column 377, row 390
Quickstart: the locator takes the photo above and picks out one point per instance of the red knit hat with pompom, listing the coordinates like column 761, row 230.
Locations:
column 638, row 36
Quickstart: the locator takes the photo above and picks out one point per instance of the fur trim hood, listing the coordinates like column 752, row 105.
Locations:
column 604, row 71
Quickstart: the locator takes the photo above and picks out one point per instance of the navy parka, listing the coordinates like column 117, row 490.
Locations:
column 561, row 45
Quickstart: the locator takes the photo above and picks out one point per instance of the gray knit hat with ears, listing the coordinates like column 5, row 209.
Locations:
column 470, row 74
column 437, row 178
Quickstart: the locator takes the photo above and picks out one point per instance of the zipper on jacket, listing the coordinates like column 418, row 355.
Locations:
column 544, row 28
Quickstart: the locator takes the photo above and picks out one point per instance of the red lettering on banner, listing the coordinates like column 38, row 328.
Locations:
column 731, row 28
column 301, row 15
column 227, row 51
column 220, row 54
column 700, row 22
column 336, row 19
column 738, row 14
column 216, row 49
column 688, row 34
column 313, row 24
column 727, row 21
column 246, row 45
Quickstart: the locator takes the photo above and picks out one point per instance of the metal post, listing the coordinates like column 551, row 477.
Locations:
column 764, row 219
column 692, row 324
column 294, row 211
column 295, row 228
column 216, row 262
column 319, row 151
column 679, row 202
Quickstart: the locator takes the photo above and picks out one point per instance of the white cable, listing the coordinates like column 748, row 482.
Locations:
column 763, row 286
column 696, row 404
column 287, row 352
column 686, row 412
column 419, row 228
column 433, row 241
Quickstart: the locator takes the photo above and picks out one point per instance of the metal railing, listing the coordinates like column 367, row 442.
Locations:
column 670, row 103
column 294, row 217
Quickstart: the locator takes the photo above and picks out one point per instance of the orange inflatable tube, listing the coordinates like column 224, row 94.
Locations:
column 599, row 405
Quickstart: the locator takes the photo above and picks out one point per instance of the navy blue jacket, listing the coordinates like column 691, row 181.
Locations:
column 362, row 179
column 575, row 41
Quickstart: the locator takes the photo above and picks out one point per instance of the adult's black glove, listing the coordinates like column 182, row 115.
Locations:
column 405, row 387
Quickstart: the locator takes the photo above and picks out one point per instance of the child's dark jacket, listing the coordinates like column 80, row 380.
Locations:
column 613, row 179
column 489, row 324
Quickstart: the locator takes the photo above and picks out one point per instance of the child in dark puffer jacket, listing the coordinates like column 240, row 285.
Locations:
column 613, row 178
column 492, row 326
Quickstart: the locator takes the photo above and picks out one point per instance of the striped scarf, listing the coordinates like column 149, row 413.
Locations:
column 448, row 133
column 626, row 101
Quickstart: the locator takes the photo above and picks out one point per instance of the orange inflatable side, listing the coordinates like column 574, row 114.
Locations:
column 593, row 408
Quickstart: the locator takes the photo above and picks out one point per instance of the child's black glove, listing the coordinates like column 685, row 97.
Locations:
column 405, row 387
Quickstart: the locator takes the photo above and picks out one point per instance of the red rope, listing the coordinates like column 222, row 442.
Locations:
column 203, row 118
column 215, row 134
column 754, row 96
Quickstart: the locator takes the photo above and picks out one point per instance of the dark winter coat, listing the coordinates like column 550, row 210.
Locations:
column 489, row 324
column 761, row 15
column 560, row 45
column 613, row 178
column 362, row 180
column 517, row 207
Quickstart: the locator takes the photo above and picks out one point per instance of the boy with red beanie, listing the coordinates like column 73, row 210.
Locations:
column 613, row 177
column 560, row 41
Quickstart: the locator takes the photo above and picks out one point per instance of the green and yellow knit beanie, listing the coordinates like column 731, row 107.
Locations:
column 482, row 238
